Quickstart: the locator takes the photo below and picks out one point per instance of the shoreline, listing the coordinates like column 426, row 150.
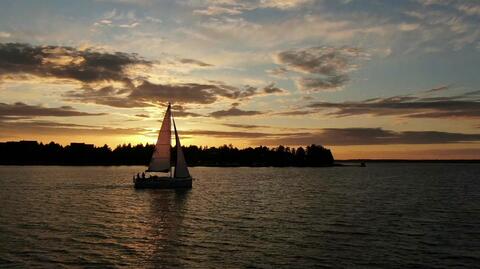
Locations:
column 339, row 163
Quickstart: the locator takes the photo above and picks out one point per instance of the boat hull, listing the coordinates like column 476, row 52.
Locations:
column 163, row 183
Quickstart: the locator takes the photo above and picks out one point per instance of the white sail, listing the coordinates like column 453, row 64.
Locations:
column 181, row 169
column 160, row 161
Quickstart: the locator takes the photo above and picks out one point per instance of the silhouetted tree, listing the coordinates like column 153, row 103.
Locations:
column 31, row 152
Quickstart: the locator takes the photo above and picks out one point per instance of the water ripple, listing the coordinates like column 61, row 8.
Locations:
column 382, row 216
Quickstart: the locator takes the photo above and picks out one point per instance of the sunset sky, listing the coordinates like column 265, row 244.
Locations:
column 367, row 79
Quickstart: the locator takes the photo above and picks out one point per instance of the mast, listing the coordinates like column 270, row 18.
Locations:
column 181, row 169
column 160, row 161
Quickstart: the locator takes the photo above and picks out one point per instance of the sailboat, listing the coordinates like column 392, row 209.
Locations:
column 160, row 161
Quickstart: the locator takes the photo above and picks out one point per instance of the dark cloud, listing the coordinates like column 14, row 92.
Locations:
column 19, row 128
column 233, row 112
column 62, row 62
column 372, row 136
column 186, row 114
column 181, row 93
column 149, row 94
column 21, row 110
column 108, row 95
column 295, row 112
column 194, row 62
column 271, row 89
column 91, row 67
column 252, row 126
column 344, row 137
column 226, row 134
column 464, row 105
column 326, row 67
column 95, row 68
column 244, row 126
column 142, row 115
column 438, row 89
column 470, row 94
column 182, row 112
column 328, row 61
column 322, row 83
column 45, row 124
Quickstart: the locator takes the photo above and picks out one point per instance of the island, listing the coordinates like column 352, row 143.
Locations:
column 35, row 153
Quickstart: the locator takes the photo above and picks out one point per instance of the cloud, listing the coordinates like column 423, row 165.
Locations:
column 5, row 35
column 21, row 110
column 123, row 19
column 328, row 61
column 465, row 105
column 109, row 96
column 37, row 128
column 233, row 7
column 186, row 114
column 283, row 4
column 310, row 28
column 278, row 72
column 326, row 67
column 322, row 83
column 445, row 24
column 226, row 134
column 471, row 9
column 180, row 111
column 96, row 68
column 296, row 112
column 196, row 93
column 244, row 126
column 129, row 25
column 152, row 94
column 272, row 89
column 406, row 27
column 372, row 136
column 60, row 62
column 194, row 62
column 409, row 28
column 438, row 89
column 234, row 112
column 149, row 94
column 252, row 126
column 130, row 2
column 344, row 137
column 218, row 10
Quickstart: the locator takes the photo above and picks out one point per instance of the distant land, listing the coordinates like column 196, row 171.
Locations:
column 34, row 153
column 410, row 160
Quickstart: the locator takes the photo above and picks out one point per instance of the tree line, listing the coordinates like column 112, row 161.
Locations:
column 34, row 153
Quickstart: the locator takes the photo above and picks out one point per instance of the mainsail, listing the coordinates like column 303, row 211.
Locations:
column 160, row 161
column 181, row 169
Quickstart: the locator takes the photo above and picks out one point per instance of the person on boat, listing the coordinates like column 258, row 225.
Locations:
column 138, row 175
column 143, row 175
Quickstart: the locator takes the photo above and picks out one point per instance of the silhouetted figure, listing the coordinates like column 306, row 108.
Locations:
column 143, row 175
column 138, row 175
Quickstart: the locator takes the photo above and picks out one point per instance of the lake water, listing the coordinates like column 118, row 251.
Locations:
column 381, row 216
